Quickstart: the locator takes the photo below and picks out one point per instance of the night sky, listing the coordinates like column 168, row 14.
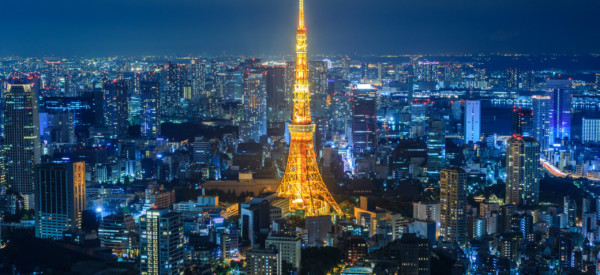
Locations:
column 252, row 27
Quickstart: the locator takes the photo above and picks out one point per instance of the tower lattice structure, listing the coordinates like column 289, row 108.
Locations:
column 302, row 182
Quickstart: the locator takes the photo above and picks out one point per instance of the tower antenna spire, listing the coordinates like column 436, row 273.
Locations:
column 301, row 14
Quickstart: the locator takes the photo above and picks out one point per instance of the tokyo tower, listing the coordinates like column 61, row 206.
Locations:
column 302, row 182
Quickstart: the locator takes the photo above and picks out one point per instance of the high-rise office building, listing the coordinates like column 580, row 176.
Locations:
column 21, row 136
column 522, row 171
column 122, row 104
column 277, row 106
column 117, row 232
column 364, row 121
column 233, row 85
column 456, row 107
column 472, row 121
column 541, row 120
column 150, row 104
column 569, row 211
column 176, row 82
column 289, row 248
column 255, row 107
column 68, row 87
column 427, row 71
column 522, row 122
column 98, row 107
column 70, row 114
column 197, row 74
column 60, row 198
column 117, row 106
column 590, row 130
column 317, row 85
column 435, row 147
column 52, row 77
column 161, row 242
column 453, row 205
column 201, row 150
column 560, row 108
column 410, row 70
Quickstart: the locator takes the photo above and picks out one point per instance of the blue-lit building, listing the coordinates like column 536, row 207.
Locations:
column 255, row 107
column 472, row 121
column 560, row 108
column 364, row 120
column 60, row 198
column 541, row 120
column 150, row 106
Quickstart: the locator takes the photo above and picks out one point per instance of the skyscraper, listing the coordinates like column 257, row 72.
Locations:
column 522, row 171
column 233, row 85
column 410, row 70
column 98, row 108
column 453, row 205
column 255, row 107
column 522, row 122
column 302, row 183
column 197, row 73
column 472, row 121
column 161, row 242
column 52, row 77
column 122, row 108
column 150, row 97
column 364, row 121
column 60, row 198
column 541, row 120
column 117, row 106
column 276, row 100
column 317, row 84
column 201, row 150
column 22, row 136
column 435, row 147
column 176, row 81
column 560, row 108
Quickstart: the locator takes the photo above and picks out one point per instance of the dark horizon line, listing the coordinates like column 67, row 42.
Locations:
column 337, row 55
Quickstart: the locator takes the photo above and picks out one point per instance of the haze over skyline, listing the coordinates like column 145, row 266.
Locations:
column 156, row 27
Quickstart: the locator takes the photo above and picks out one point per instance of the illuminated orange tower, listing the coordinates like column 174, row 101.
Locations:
column 302, row 182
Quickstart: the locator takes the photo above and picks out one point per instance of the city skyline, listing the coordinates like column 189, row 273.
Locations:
column 274, row 164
